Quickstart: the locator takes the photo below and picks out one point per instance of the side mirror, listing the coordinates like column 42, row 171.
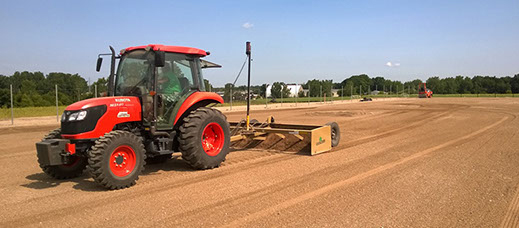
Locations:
column 99, row 62
column 160, row 58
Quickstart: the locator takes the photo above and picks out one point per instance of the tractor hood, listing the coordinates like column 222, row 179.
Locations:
column 108, row 101
column 100, row 116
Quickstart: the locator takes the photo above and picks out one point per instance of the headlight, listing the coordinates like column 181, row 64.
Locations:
column 73, row 116
column 81, row 115
column 63, row 117
column 77, row 116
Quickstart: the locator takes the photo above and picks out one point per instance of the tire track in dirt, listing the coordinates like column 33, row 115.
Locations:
column 321, row 191
column 391, row 132
column 142, row 192
column 314, row 175
column 265, row 192
column 343, row 114
column 511, row 218
column 25, row 129
column 21, row 154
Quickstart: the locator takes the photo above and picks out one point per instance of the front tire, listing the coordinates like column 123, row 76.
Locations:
column 117, row 159
column 204, row 138
column 68, row 171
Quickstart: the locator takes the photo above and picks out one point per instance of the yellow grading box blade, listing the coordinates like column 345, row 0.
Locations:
column 283, row 137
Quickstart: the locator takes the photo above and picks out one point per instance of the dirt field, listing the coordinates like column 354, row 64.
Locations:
column 441, row 162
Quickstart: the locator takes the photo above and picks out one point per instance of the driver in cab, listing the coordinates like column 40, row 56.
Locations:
column 168, row 89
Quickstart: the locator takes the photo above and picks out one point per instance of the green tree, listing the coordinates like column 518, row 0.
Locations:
column 314, row 86
column 262, row 90
column 227, row 92
column 378, row 83
column 514, row 84
column 412, row 86
column 348, row 88
column 278, row 88
column 208, row 86
column 435, row 84
column 301, row 93
column 465, row 85
column 102, row 86
column 327, row 87
column 5, row 98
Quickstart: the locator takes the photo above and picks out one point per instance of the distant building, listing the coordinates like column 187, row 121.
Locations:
column 335, row 92
column 294, row 89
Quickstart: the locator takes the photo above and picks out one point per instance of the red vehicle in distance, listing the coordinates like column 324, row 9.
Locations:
column 423, row 92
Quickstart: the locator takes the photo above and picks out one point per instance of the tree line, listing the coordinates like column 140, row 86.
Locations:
column 363, row 84
column 37, row 89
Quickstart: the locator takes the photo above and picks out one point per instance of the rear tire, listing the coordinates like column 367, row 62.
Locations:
column 117, row 159
column 336, row 133
column 204, row 138
column 63, row 171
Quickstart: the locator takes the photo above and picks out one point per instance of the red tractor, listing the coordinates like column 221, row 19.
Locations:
column 423, row 92
column 156, row 105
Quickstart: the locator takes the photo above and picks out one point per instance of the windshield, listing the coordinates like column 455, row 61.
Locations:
column 134, row 73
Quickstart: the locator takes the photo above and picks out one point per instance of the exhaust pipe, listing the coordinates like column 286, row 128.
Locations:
column 112, row 74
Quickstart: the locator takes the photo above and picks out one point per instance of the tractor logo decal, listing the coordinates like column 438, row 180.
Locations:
column 123, row 115
column 122, row 99
column 321, row 141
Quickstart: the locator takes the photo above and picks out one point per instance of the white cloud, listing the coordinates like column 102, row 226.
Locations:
column 247, row 25
column 390, row 64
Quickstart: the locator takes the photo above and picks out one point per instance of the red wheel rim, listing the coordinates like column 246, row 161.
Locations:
column 122, row 161
column 213, row 139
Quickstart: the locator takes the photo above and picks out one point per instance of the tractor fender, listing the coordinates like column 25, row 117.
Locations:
column 196, row 100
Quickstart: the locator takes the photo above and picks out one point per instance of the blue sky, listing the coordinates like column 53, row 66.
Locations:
column 293, row 41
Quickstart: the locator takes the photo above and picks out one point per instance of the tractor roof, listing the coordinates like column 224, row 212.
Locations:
column 175, row 49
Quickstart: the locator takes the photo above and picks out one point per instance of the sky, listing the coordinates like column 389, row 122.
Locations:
column 292, row 41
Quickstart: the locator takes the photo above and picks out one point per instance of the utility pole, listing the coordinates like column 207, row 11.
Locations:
column 57, row 109
column 12, row 111
column 248, row 53
column 297, row 94
column 321, row 93
column 308, row 95
column 351, row 94
column 266, row 99
column 281, row 95
column 360, row 90
column 231, row 96
column 342, row 94
column 95, row 89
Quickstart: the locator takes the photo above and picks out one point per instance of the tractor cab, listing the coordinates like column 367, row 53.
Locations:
column 161, row 77
column 171, row 78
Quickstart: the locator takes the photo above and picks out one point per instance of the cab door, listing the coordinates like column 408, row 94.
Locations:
column 175, row 81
